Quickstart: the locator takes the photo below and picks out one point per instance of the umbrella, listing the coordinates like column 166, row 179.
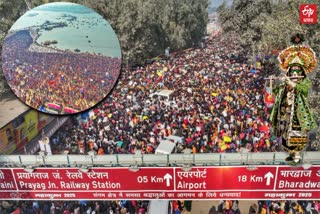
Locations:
column 222, row 146
column 228, row 98
column 214, row 94
column 226, row 139
column 145, row 117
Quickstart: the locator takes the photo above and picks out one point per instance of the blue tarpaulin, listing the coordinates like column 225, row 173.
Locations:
column 253, row 70
column 85, row 115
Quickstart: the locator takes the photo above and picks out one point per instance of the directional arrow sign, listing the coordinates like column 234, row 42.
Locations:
column 268, row 177
column 167, row 177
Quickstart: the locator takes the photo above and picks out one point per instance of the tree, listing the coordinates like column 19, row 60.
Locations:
column 10, row 11
column 246, row 18
column 267, row 25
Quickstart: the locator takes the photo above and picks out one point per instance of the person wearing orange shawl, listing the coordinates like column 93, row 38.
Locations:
column 100, row 151
column 291, row 117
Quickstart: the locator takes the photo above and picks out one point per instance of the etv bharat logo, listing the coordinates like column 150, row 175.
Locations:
column 308, row 13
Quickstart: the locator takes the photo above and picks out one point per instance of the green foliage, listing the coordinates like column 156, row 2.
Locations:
column 245, row 17
column 10, row 11
column 147, row 28
column 266, row 25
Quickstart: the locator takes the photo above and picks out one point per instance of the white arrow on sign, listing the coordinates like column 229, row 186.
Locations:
column 167, row 177
column 268, row 176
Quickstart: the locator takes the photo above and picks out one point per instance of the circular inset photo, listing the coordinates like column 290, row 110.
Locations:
column 61, row 58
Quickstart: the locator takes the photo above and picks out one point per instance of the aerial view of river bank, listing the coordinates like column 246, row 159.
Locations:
column 61, row 58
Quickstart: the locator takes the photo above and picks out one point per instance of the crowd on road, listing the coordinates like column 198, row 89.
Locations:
column 217, row 105
column 285, row 207
column 141, row 207
column 65, row 78
column 268, row 207
column 75, row 207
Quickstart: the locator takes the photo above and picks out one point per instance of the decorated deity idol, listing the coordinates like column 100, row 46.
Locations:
column 291, row 116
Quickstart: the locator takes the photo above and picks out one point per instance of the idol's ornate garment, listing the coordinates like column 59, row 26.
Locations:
column 291, row 116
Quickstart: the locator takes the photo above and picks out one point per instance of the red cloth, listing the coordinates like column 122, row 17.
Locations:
column 17, row 211
column 242, row 135
column 264, row 129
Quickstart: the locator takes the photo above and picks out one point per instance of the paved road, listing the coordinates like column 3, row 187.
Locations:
column 203, row 207
column 10, row 108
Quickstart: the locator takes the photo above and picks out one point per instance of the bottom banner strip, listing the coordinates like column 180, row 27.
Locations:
column 253, row 195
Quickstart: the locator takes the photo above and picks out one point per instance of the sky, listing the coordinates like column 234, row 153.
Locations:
column 216, row 3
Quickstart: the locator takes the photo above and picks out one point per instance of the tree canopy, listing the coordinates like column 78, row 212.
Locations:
column 267, row 25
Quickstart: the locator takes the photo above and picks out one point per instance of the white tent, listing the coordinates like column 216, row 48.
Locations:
column 175, row 138
column 162, row 93
column 165, row 147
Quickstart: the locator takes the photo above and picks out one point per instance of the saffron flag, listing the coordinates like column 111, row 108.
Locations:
column 269, row 99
